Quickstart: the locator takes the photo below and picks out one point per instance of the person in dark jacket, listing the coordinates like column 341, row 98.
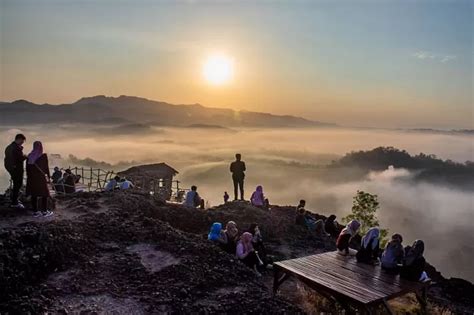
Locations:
column 414, row 262
column 57, row 175
column 37, row 177
column 344, row 238
column 393, row 254
column 237, row 168
column 331, row 226
column 369, row 249
column 258, row 244
column 69, row 182
column 14, row 165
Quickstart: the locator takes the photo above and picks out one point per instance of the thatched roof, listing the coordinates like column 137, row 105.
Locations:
column 158, row 170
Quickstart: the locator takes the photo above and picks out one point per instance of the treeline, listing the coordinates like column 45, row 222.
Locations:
column 429, row 167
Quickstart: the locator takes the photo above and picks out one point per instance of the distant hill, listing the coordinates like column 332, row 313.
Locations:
column 428, row 168
column 131, row 110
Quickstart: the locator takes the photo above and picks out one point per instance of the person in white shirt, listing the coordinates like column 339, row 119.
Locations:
column 192, row 199
column 125, row 184
column 112, row 184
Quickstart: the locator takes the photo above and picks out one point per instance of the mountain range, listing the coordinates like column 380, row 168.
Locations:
column 130, row 110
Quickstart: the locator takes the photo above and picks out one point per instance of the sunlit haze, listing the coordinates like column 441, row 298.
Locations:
column 357, row 63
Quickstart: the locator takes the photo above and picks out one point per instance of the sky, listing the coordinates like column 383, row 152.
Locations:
column 357, row 63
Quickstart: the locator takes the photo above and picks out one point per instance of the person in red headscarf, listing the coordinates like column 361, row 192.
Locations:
column 38, row 176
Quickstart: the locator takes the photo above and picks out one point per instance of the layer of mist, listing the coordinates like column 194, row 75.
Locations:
column 290, row 164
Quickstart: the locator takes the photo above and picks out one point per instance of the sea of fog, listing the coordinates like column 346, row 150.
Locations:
column 289, row 163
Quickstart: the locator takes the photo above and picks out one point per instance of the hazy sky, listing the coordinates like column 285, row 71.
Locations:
column 371, row 63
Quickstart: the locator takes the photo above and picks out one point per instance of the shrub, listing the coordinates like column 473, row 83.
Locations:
column 364, row 208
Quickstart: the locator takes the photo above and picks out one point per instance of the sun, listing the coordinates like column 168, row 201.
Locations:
column 218, row 69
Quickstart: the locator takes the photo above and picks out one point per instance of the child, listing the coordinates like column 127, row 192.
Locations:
column 226, row 197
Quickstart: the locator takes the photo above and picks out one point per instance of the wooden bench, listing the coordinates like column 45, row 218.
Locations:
column 344, row 280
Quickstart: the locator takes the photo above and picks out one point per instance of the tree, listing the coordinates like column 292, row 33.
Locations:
column 364, row 208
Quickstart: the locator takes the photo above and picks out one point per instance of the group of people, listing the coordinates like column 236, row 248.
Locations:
column 37, row 175
column 118, row 183
column 64, row 182
column 247, row 247
column 237, row 168
column 395, row 259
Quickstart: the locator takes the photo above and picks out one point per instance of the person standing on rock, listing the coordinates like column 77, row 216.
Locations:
column 14, row 159
column 237, row 168
column 38, row 176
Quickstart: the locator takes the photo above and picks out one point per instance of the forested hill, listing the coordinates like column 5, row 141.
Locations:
column 428, row 167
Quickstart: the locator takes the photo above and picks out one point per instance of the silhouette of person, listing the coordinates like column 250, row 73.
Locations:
column 237, row 168
column 226, row 197
column 14, row 164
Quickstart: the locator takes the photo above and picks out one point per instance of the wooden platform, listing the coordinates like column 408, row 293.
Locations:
column 349, row 283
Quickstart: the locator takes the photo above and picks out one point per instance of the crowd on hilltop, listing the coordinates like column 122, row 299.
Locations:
column 248, row 246
column 39, row 180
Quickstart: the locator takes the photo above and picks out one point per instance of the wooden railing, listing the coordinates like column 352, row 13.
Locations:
column 95, row 179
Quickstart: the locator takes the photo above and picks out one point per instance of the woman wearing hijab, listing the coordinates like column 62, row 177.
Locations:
column 393, row 254
column 216, row 234
column 258, row 198
column 231, row 234
column 369, row 250
column 246, row 253
column 414, row 262
column 37, row 172
column 345, row 237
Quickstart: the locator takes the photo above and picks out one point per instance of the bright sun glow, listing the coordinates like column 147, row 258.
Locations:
column 218, row 69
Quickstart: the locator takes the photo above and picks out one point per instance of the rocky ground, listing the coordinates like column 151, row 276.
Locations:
column 130, row 253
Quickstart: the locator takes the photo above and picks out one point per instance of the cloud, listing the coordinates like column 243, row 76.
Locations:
column 426, row 55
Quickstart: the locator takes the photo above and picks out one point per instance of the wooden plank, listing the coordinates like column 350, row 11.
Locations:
column 356, row 293
column 356, row 278
column 347, row 280
column 344, row 277
column 375, row 272
column 372, row 272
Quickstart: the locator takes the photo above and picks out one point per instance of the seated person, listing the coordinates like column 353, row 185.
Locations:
column 125, row 184
column 345, row 237
column 414, row 263
column 217, row 234
column 258, row 199
column 393, row 254
column 300, row 218
column 77, row 178
column 246, row 253
column 69, row 182
column 56, row 176
column 317, row 225
column 192, row 199
column 331, row 227
column 231, row 234
column 369, row 249
column 258, row 244
column 301, row 205
column 112, row 184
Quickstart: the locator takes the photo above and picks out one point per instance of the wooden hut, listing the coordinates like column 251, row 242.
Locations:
column 156, row 178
